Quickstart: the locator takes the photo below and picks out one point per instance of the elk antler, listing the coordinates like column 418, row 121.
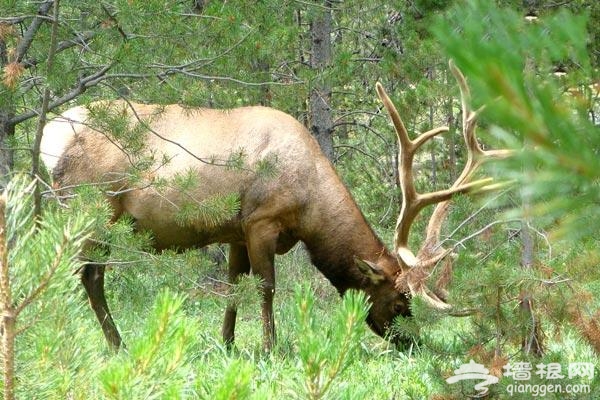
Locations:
column 416, row 269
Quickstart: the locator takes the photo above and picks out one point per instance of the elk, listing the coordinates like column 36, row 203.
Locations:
column 304, row 200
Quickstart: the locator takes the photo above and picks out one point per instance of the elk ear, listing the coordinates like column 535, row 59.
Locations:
column 370, row 270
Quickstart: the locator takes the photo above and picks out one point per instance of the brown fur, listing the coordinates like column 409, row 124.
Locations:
column 304, row 200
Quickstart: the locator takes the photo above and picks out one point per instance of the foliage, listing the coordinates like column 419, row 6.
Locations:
column 326, row 354
column 239, row 53
column 549, row 118
column 38, row 260
column 159, row 364
column 531, row 110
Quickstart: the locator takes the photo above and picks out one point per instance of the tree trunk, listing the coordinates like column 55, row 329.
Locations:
column 7, row 312
column 533, row 335
column 450, row 140
column 262, row 68
column 7, row 129
column 431, row 74
column 321, row 124
column 432, row 151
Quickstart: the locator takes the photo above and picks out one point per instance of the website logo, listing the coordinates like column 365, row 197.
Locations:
column 474, row 371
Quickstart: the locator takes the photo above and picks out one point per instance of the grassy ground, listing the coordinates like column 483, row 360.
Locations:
column 170, row 319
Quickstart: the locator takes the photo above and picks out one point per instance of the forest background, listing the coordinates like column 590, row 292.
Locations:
column 531, row 274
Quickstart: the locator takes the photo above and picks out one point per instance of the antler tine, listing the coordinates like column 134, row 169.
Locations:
column 469, row 123
column 475, row 157
column 414, row 280
column 431, row 298
column 417, row 269
column 474, row 153
column 410, row 146
column 412, row 202
column 401, row 131
column 409, row 194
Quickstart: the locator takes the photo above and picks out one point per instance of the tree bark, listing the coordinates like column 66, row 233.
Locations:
column 432, row 151
column 262, row 68
column 7, row 129
column 7, row 312
column 35, row 156
column 533, row 336
column 321, row 121
column 450, row 139
column 7, row 110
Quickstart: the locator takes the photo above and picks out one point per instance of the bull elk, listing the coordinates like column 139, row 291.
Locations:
column 304, row 200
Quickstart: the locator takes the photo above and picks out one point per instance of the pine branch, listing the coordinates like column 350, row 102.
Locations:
column 80, row 39
column 46, row 279
column 83, row 84
column 27, row 39
column 35, row 162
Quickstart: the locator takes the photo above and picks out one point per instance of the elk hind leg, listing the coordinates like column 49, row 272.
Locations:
column 92, row 277
column 238, row 264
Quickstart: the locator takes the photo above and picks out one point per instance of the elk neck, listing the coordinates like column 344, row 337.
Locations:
column 339, row 234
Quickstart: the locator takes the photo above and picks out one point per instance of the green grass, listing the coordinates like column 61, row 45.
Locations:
column 170, row 318
column 169, row 308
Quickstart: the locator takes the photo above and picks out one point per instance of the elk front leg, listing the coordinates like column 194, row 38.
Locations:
column 261, row 238
column 238, row 264
column 92, row 278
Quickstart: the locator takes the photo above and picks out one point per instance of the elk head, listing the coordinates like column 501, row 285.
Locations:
column 387, row 302
column 416, row 269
